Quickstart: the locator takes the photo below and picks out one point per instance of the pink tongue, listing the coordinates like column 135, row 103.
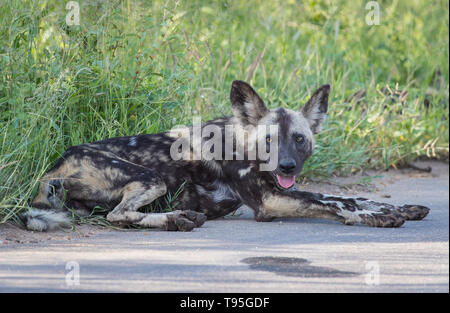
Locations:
column 286, row 181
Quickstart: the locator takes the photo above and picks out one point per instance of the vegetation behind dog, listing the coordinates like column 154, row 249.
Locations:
column 139, row 67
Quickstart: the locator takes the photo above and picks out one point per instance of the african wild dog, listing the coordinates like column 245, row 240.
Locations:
column 126, row 173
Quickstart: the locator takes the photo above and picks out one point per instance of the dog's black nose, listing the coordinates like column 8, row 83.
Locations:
column 287, row 165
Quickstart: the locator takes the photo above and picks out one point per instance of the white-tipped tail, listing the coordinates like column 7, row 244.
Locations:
column 43, row 220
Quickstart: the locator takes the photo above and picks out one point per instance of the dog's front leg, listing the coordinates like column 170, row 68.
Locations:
column 344, row 209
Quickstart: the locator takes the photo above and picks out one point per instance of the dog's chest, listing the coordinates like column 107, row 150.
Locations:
column 217, row 192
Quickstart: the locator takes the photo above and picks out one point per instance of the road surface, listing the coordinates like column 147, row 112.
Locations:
column 236, row 254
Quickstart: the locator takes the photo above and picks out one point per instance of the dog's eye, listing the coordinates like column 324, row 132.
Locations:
column 268, row 139
column 299, row 138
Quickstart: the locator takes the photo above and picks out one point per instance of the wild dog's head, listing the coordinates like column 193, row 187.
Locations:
column 294, row 130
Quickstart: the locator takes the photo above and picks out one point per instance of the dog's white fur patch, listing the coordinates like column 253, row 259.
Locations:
column 244, row 171
column 154, row 220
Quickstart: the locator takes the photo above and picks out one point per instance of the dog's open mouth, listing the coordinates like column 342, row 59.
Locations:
column 285, row 182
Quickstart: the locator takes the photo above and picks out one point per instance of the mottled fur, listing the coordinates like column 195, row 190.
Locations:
column 126, row 173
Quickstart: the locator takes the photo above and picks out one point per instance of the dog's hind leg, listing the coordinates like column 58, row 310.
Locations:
column 86, row 176
column 138, row 194
column 344, row 209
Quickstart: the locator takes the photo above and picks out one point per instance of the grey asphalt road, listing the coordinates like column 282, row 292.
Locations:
column 298, row 255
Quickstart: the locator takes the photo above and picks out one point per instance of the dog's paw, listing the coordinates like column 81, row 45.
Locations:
column 413, row 212
column 198, row 218
column 383, row 220
column 178, row 223
column 184, row 220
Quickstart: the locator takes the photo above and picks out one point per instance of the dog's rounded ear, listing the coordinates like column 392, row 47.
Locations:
column 316, row 108
column 247, row 106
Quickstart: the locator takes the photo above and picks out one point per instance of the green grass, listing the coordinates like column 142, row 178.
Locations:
column 143, row 66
